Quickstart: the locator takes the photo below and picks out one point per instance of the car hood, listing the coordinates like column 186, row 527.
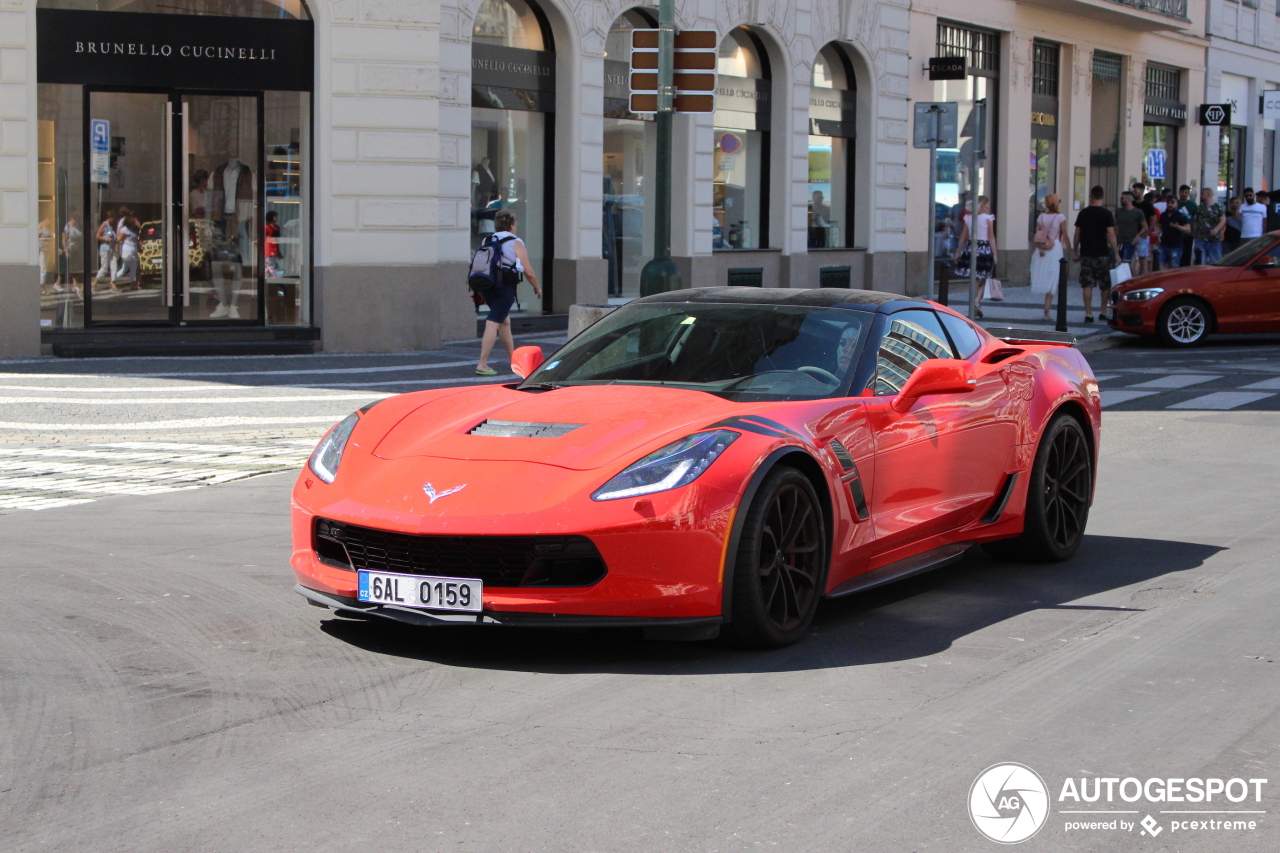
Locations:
column 1180, row 277
column 594, row 425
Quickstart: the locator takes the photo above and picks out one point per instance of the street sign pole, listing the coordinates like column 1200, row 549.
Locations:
column 661, row 274
column 975, row 187
column 931, row 235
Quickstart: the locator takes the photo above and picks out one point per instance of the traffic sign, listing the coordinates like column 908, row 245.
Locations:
column 1155, row 164
column 694, row 77
column 99, row 151
column 947, row 115
column 1215, row 115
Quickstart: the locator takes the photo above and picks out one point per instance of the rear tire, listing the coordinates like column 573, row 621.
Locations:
column 781, row 568
column 1184, row 322
column 1057, row 498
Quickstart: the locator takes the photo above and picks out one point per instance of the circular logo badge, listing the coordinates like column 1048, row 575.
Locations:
column 730, row 143
column 1008, row 803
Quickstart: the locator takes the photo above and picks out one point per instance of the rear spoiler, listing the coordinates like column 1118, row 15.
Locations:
column 1033, row 336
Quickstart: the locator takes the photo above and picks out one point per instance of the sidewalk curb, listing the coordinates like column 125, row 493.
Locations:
column 1102, row 342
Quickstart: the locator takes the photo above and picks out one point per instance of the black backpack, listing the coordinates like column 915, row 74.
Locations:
column 487, row 269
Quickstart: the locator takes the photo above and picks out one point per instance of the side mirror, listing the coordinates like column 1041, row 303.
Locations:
column 1264, row 263
column 525, row 360
column 936, row 376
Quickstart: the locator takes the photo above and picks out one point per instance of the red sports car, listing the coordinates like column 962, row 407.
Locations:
column 1184, row 305
column 701, row 461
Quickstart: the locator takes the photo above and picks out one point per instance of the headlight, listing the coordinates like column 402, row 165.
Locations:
column 1143, row 295
column 328, row 453
column 675, row 465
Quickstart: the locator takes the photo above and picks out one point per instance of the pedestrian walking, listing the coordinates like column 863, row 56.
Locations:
column 1174, row 228
column 1208, row 226
column 1049, row 244
column 1231, row 234
column 1189, row 206
column 1131, row 232
column 977, row 235
column 1253, row 216
column 106, row 237
column 503, row 296
column 1095, row 248
column 1146, row 203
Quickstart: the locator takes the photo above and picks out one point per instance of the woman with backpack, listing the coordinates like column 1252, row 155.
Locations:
column 1047, row 250
column 515, row 260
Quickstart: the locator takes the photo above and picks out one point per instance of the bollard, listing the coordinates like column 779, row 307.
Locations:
column 1064, row 267
column 943, row 270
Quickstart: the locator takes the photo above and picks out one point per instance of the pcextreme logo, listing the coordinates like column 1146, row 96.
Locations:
column 1009, row 803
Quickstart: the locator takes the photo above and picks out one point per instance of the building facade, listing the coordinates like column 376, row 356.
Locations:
column 1077, row 93
column 319, row 171
column 1243, row 63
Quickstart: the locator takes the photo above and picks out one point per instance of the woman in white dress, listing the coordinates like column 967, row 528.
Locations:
column 127, row 242
column 1047, row 250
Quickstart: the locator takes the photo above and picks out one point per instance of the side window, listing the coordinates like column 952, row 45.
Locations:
column 913, row 337
column 963, row 335
column 1274, row 253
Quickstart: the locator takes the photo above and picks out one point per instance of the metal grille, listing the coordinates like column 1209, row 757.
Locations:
column 980, row 48
column 1164, row 83
column 746, row 277
column 1106, row 67
column 1044, row 68
column 835, row 277
column 496, row 560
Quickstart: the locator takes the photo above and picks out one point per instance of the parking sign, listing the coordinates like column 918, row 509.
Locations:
column 100, row 150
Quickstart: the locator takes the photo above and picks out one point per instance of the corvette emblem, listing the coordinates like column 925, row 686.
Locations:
column 431, row 492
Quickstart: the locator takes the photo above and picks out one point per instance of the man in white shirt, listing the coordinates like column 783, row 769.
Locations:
column 1252, row 216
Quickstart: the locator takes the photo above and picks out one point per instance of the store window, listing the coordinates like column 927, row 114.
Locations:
column 1163, row 114
column 741, row 185
column 1104, row 147
column 833, row 105
column 958, row 182
column 1045, row 62
column 630, row 143
column 512, row 102
column 164, row 201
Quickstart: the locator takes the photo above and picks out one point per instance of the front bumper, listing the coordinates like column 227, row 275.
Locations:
column 1138, row 318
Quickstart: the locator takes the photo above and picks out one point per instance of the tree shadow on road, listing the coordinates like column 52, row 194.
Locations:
column 910, row 619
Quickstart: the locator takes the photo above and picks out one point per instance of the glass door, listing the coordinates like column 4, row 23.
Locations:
column 221, row 166
column 129, row 203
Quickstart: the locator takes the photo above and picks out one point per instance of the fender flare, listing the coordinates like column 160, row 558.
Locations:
column 740, row 518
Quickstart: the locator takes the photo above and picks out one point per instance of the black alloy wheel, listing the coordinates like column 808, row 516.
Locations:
column 1058, row 497
column 781, row 566
column 1183, row 322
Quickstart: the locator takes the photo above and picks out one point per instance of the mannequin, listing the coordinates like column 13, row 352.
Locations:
column 231, row 206
column 484, row 183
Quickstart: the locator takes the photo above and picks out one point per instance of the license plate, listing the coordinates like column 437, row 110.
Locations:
column 421, row 591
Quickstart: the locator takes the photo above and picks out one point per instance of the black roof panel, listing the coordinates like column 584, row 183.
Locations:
column 828, row 297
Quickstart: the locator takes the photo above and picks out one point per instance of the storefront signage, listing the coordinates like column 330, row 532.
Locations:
column 946, row 68
column 172, row 51
column 747, row 96
column 1215, row 115
column 513, row 67
column 1044, row 119
column 1271, row 103
column 1165, row 112
column 833, row 112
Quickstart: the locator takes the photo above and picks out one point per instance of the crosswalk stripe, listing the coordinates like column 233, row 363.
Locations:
column 185, row 423
column 1272, row 384
column 1175, row 381
column 17, row 502
column 160, row 401
column 380, row 368
column 1222, row 400
column 1123, row 395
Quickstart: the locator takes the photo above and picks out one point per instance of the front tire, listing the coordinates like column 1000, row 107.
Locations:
column 781, row 567
column 1184, row 322
column 1057, row 497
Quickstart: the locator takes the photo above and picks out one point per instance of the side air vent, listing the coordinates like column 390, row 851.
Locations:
column 842, row 454
column 1001, row 500
column 523, row 429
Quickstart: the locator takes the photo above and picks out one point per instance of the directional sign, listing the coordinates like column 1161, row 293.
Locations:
column 99, row 151
column 947, row 113
column 1215, row 115
column 694, row 74
column 1155, row 164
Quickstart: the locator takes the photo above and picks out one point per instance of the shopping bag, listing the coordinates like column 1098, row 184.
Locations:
column 1121, row 274
column 993, row 292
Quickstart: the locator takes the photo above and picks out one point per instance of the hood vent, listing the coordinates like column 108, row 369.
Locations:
column 523, row 429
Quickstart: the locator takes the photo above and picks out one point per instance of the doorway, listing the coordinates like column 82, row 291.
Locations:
column 176, row 206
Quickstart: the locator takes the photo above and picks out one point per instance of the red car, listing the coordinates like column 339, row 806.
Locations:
column 1183, row 306
column 704, row 460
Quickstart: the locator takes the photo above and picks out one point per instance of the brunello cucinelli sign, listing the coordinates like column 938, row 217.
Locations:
column 172, row 51
column 833, row 112
column 512, row 67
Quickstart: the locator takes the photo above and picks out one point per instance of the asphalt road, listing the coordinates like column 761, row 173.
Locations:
column 163, row 690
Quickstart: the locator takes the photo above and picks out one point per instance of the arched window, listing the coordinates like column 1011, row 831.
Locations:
column 630, row 142
column 512, row 101
column 833, row 104
column 741, row 188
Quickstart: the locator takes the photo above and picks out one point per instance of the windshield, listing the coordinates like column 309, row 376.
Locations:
column 1246, row 252
column 741, row 352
